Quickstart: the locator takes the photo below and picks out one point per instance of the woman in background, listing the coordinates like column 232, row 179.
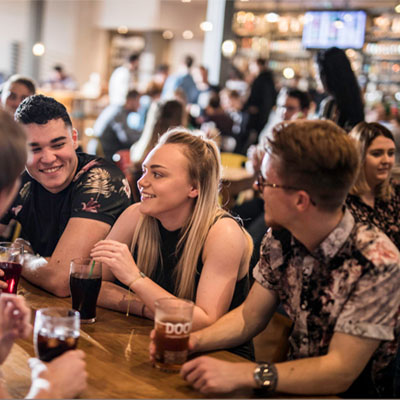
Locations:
column 177, row 242
column 375, row 196
column 162, row 116
column 344, row 104
column 14, row 90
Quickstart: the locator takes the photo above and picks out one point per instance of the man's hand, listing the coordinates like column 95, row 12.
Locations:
column 209, row 375
column 65, row 377
column 14, row 322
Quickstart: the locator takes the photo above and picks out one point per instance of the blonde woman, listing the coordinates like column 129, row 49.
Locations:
column 375, row 196
column 177, row 241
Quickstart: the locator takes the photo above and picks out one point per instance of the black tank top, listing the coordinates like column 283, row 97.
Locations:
column 164, row 276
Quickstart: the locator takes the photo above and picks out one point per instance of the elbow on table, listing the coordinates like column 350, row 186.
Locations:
column 59, row 289
column 341, row 383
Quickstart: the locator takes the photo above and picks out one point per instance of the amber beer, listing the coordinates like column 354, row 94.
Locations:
column 173, row 324
column 172, row 339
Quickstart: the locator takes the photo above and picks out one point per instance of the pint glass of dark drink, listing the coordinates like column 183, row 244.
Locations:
column 85, row 283
column 173, row 324
column 56, row 330
column 11, row 263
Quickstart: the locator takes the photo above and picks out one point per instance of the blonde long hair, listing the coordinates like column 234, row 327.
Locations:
column 204, row 170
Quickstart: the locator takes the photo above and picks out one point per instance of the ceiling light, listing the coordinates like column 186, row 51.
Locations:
column 228, row 48
column 397, row 8
column 187, row 35
column 167, row 35
column 272, row 17
column 338, row 24
column 38, row 49
column 123, row 29
column 206, row 26
column 288, row 73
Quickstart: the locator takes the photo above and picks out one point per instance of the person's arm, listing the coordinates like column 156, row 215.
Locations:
column 223, row 252
column 330, row 374
column 77, row 240
column 234, row 328
column 117, row 298
column 240, row 324
column 113, row 296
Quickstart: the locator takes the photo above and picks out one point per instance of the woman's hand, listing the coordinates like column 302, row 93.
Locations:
column 119, row 259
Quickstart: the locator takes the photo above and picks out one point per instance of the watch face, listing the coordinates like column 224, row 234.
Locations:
column 265, row 376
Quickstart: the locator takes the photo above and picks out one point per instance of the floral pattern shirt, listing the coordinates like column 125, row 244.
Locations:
column 385, row 214
column 99, row 191
column 349, row 284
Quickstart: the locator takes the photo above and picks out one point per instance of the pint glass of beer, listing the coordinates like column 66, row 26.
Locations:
column 173, row 324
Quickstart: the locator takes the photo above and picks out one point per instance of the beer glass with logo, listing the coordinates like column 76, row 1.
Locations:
column 173, row 324
column 56, row 330
column 11, row 263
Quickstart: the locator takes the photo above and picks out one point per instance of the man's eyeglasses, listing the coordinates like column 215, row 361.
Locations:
column 261, row 183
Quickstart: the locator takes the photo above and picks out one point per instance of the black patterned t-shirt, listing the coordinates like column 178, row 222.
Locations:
column 385, row 214
column 99, row 191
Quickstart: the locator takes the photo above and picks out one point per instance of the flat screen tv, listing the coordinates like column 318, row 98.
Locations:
column 343, row 29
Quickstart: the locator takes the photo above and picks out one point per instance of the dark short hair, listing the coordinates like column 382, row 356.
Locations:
column 133, row 57
column 132, row 94
column 12, row 150
column 214, row 101
column 39, row 109
column 261, row 61
column 58, row 68
column 189, row 60
column 303, row 97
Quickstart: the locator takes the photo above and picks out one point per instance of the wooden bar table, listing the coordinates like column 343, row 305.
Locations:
column 116, row 348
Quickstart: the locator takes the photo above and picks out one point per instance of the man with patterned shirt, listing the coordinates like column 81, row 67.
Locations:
column 67, row 201
column 337, row 280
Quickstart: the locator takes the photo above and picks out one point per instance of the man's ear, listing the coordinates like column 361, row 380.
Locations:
column 303, row 200
column 74, row 135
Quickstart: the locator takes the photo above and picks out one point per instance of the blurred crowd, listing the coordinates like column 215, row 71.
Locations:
column 322, row 164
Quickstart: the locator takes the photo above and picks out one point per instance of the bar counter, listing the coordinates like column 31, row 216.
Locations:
column 116, row 348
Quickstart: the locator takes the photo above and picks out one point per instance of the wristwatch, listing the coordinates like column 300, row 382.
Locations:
column 266, row 377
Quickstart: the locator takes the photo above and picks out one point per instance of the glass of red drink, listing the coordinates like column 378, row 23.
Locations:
column 85, row 283
column 56, row 330
column 11, row 263
column 173, row 324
